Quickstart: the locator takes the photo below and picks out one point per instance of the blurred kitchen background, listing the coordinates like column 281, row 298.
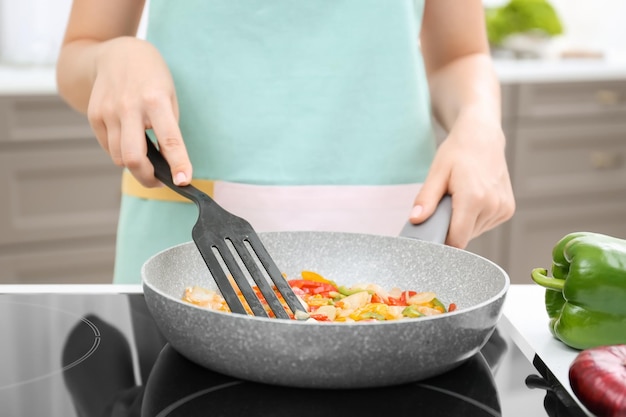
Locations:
column 563, row 77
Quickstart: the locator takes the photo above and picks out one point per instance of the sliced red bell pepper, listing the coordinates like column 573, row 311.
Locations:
column 312, row 287
column 377, row 298
column 402, row 300
column 319, row 317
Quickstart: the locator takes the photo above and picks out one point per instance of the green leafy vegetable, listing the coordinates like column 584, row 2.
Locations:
column 521, row 16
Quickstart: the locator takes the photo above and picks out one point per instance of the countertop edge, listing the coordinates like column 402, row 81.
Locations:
column 71, row 288
column 526, row 321
column 41, row 80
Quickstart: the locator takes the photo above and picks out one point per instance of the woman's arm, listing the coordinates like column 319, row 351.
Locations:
column 458, row 63
column 123, row 84
column 470, row 164
column 91, row 24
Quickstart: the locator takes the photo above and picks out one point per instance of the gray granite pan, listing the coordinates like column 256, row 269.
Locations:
column 334, row 355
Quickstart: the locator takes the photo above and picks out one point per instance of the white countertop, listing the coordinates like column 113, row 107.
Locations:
column 27, row 80
column 525, row 319
column 22, row 80
column 573, row 70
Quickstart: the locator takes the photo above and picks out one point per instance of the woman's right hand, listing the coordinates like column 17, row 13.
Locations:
column 133, row 91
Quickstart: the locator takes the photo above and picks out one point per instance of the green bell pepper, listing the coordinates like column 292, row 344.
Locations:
column 586, row 295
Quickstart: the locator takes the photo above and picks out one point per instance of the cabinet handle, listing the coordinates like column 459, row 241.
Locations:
column 605, row 160
column 607, row 97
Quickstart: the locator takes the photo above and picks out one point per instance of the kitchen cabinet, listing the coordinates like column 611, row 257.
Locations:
column 58, row 214
column 567, row 156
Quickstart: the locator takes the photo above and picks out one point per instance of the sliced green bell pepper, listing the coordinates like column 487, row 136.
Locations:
column 411, row 312
column 586, row 295
column 348, row 291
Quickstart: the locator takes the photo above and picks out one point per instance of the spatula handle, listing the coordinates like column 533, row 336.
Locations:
column 435, row 228
column 163, row 173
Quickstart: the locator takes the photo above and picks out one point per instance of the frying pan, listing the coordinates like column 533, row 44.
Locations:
column 334, row 355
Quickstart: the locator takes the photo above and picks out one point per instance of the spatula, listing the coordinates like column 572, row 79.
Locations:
column 230, row 246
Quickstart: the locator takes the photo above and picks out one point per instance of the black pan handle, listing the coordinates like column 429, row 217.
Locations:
column 435, row 228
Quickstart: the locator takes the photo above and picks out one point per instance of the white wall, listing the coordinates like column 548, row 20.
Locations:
column 597, row 24
column 31, row 31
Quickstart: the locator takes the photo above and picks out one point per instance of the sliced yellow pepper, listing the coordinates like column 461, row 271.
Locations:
column 378, row 311
column 314, row 276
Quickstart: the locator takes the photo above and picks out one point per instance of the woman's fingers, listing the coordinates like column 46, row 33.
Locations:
column 96, row 120
column 171, row 144
column 134, row 151
column 478, row 210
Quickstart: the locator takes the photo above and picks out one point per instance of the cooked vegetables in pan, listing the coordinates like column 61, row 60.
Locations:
column 325, row 301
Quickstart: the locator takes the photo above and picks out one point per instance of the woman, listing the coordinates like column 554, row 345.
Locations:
column 292, row 114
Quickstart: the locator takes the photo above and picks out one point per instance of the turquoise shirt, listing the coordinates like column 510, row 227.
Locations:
column 286, row 92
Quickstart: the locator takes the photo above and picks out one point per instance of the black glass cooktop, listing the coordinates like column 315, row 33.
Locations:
column 101, row 355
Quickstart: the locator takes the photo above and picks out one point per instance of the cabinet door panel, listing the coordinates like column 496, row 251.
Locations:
column 535, row 231
column 57, row 194
column 57, row 264
column 41, row 118
column 489, row 245
column 567, row 160
column 550, row 100
column 509, row 102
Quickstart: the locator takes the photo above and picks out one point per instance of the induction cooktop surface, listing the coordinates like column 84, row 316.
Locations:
column 101, row 354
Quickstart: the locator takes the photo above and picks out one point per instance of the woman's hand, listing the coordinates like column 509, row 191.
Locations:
column 123, row 84
column 133, row 91
column 470, row 165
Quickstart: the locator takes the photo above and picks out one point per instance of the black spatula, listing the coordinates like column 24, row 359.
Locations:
column 230, row 246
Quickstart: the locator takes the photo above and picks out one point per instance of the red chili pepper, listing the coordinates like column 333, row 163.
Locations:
column 451, row 307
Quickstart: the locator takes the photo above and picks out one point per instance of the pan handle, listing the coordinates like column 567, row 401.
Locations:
column 435, row 228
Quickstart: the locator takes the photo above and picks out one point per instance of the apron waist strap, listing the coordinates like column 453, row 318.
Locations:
column 132, row 187
column 377, row 209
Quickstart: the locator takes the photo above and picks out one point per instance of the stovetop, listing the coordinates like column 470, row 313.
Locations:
column 100, row 354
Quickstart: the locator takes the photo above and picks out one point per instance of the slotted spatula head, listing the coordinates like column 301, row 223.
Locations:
column 230, row 247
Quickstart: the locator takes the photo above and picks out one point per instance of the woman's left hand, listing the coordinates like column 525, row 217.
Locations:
column 469, row 165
